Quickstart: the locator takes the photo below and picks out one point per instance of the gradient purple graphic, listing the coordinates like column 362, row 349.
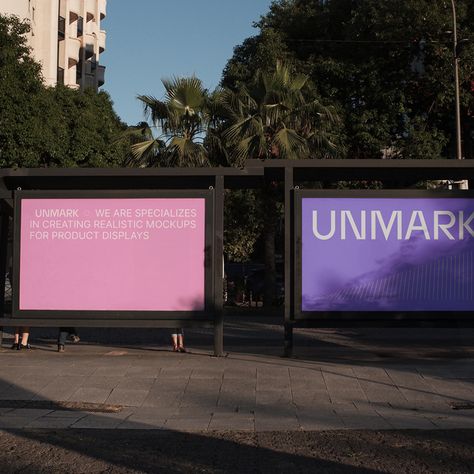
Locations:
column 407, row 270
column 134, row 254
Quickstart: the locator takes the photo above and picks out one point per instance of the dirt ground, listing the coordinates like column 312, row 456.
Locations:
column 146, row 451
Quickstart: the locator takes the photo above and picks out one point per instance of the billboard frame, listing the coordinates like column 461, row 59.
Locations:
column 363, row 318
column 88, row 316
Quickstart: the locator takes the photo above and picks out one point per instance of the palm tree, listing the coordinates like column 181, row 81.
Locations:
column 273, row 118
column 276, row 116
column 182, row 119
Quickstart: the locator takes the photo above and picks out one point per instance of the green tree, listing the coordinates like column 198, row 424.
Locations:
column 20, row 94
column 50, row 126
column 182, row 120
column 275, row 117
column 387, row 64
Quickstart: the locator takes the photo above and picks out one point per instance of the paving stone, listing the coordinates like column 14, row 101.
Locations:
column 126, row 397
column 14, row 422
column 319, row 418
column 103, row 420
column 204, row 373
column 136, row 383
column 162, row 399
column 29, row 412
column 90, row 395
column 234, row 422
column 98, row 381
column 196, row 424
column 143, row 371
column 131, row 424
column 359, row 420
column 112, row 371
column 453, row 422
column 271, row 397
column 61, row 388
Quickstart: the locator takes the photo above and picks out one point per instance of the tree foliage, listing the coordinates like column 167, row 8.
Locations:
column 387, row 64
column 277, row 116
column 182, row 120
column 50, row 127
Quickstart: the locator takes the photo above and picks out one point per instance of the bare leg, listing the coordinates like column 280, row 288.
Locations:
column 174, row 338
column 24, row 336
column 181, row 343
column 16, row 340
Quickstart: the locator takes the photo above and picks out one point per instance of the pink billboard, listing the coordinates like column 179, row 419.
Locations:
column 112, row 254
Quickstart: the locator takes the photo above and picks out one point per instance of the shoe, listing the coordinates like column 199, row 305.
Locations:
column 181, row 349
column 60, row 347
column 175, row 349
column 74, row 338
column 15, row 346
column 24, row 347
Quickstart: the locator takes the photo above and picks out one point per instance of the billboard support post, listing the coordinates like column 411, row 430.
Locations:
column 217, row 266
column 4, row 223
column 289, row 267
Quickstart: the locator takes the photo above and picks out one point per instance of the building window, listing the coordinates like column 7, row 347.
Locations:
column 60, row 77
column 61, row 28
column 80, row 26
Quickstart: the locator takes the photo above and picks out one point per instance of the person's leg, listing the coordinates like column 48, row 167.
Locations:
column 62, row 335
column 174, row 339
column 16, row 341
column 181, row 341
column 25, row 334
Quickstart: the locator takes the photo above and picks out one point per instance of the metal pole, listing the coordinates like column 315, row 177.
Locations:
column 218, row 266
column 289, row 267
column 463, row 184
column 4, row 222
column 456, row 84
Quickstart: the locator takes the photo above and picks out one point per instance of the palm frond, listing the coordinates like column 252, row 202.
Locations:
column 289, row 144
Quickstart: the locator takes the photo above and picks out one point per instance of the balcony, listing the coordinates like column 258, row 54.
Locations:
column 75, row 6
column 75, row 9
column 102, row 8
column 73, row 51
column 101, row 37
column 73, row 17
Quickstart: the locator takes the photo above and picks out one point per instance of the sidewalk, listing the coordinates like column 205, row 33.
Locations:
column 339, row 379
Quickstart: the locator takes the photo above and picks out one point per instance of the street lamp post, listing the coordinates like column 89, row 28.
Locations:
column 456, row 84
column 462, row 184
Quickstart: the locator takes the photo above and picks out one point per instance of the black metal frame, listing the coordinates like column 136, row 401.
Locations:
column 256, row 172
column 173, row 317
column 357, row 318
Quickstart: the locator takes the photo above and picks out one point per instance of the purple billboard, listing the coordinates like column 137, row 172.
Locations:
column 387, row 254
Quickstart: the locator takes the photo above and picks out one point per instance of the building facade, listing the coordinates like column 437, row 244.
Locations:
column 65, row 37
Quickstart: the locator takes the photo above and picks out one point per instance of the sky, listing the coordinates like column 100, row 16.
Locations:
column 158, row 39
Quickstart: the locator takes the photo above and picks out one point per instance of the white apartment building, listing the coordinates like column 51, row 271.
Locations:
column 66, row 38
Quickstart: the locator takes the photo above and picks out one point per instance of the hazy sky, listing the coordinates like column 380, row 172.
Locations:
column 148, row 40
